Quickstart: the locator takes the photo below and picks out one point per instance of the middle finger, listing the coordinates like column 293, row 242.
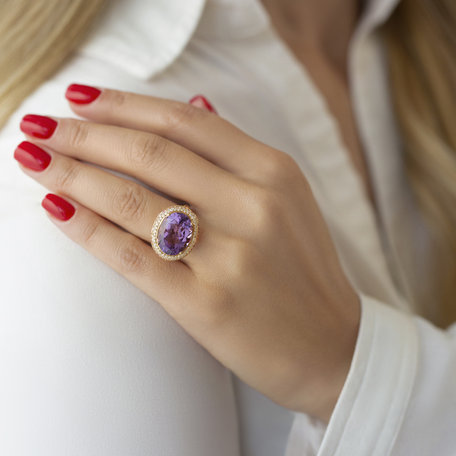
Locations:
column 158, row 162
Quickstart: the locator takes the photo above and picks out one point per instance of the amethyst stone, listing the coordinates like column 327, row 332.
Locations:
column 175, row 233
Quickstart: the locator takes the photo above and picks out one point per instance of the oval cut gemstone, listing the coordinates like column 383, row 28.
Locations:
column 175, row 233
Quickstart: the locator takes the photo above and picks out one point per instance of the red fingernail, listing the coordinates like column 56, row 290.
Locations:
column 202, row 102
column 38, row 126
column 81, row 94
column 58, row 207
column 31, row 156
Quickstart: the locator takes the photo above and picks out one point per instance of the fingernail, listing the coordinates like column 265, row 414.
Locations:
column 38, row 126
column 58, row 207
column 31, row 156
column 81, row 94
column 202, row 102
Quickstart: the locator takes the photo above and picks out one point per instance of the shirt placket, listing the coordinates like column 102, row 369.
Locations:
column 380, row 140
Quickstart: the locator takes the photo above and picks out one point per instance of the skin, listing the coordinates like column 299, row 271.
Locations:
column 319, row 34
column 262, row 290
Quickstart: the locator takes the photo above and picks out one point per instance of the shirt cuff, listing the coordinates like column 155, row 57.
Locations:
column 376, row 393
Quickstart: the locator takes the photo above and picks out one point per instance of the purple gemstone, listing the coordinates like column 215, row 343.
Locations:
column 175, row 233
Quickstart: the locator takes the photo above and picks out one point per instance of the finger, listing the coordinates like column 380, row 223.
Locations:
column 122, row 201
column 158, row 162
column 168, row 282
column 201, row 131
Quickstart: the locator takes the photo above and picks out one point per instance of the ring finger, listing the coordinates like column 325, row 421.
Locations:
column 124, row 202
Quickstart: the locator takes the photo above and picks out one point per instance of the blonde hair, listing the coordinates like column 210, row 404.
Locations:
column 421, row 44
column 36, row 37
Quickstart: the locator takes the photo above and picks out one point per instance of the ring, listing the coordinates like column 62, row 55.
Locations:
column 174, row 232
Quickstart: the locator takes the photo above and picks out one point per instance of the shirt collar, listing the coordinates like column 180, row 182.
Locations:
column 144, row 37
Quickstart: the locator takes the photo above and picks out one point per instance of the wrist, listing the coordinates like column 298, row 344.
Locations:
column 321, row 393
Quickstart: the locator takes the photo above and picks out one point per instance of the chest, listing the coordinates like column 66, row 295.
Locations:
column 333, row 85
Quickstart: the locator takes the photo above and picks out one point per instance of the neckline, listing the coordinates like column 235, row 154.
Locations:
column 327, row 164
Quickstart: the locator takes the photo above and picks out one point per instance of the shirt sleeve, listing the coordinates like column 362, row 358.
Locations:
column 89, row 364
column 399, row 398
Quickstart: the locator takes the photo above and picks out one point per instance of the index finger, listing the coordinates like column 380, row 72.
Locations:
column 200, row 131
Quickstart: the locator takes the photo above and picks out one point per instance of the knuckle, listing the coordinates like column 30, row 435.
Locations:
column 130, row 257
column 218, row 303
column 77, row 134
column 265, row 210
column 66, row 175
column 182, row 115
column 239, row 263
column 117, row 99
column 279, row 168
column 89, row 233
column 130, row 202
column 149, row 151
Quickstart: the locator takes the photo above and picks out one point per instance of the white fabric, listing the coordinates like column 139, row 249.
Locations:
column 90, row 365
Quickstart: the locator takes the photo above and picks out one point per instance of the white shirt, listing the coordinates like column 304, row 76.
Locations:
column 91, row 365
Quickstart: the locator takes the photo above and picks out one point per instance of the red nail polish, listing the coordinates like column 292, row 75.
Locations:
column 31, row 156
column 58, row 207
column 201, row 102
column 38, row 126
column 81, row 94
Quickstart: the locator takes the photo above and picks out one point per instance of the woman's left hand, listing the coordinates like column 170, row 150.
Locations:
column 262, row 290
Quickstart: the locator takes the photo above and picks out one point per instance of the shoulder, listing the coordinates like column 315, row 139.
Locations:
column 134, row 41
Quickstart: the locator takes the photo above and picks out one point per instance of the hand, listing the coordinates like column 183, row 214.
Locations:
column 263, row 290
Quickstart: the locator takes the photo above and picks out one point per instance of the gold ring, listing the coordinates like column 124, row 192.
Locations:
column 174, row 232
